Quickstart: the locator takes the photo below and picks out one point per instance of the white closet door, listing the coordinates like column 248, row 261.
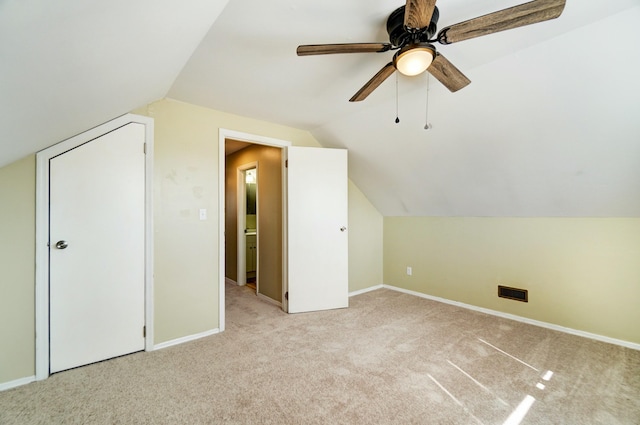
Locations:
column 97, row 249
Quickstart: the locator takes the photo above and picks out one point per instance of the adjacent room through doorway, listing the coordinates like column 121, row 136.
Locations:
column 254, row 218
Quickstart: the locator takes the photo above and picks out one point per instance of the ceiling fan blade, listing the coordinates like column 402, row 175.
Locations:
column 417, row 13
column 448, row 74
column 327, row 49
column 513, row 17
column 373, row 83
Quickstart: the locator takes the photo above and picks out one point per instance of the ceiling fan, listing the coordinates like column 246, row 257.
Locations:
column 411, row 28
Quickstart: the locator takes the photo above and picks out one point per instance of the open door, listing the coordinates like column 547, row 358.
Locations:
column 317, row 242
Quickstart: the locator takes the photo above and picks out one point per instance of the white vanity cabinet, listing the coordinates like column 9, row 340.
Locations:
column 252, row 249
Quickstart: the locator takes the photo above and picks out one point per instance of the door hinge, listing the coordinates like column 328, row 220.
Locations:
column 144, row 148
column 144, row 331
column 286, row 163
column 286, row 295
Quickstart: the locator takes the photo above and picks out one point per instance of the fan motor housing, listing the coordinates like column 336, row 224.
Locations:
column 400, row 36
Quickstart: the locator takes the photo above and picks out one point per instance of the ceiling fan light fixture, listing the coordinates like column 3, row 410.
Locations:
column 414, row 59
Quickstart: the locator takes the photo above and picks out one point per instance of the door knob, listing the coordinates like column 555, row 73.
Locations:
column 342, row 229
column 61, row 244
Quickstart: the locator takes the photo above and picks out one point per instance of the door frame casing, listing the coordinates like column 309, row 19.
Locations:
column 223, row 135
column 42, row 232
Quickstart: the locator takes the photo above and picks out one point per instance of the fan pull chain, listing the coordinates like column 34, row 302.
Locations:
column 397, row 118
column 427, row 124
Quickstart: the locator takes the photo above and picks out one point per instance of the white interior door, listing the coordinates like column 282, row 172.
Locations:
column 317, row 246
column 97, row 249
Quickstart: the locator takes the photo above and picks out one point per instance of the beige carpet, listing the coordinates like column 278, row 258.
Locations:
column 389, row 359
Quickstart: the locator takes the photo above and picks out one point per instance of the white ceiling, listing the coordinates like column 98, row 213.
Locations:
column 548, row 127
column 69, row 65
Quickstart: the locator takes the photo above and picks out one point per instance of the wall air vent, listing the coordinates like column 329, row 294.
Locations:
column 513, row 293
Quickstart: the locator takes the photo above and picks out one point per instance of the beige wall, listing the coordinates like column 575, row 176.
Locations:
column 365, row 242
column 269, row 224
column 186, row 248
column 17, row 269
column 581, row 273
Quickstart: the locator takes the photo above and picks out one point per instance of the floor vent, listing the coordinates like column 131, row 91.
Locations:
column 513, row 293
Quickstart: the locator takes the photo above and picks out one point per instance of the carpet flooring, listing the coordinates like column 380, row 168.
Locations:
column 390, row 358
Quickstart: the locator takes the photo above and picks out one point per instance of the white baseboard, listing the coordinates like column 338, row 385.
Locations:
column 552, row 326
column 365, row 290
column 185, row 339
column 17, row 383
column 269, row 300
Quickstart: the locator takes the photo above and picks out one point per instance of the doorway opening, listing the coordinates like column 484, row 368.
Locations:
column 311, row 249
column 247, row 222
column 252, row 216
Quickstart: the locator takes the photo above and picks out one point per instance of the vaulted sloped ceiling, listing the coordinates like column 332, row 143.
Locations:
column 549, row 130
column 548, row 127
column 69, row 65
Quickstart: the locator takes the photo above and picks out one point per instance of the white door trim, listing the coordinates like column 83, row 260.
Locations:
column 42, row 232
column 224, row 134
